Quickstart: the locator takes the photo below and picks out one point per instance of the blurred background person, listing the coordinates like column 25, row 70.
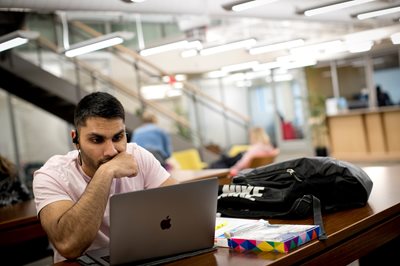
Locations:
column 153, row 138
column 11, row 189
column 382, row 97
column 260, row 145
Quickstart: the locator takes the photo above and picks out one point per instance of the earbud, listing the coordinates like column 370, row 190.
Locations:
column 76, row 138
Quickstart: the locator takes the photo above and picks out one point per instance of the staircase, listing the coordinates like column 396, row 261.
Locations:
column 60, row 96
column 43, row 89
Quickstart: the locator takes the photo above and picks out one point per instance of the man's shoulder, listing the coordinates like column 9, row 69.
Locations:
column 61, row 162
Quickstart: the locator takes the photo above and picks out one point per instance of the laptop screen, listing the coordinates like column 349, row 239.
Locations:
column 162, row 222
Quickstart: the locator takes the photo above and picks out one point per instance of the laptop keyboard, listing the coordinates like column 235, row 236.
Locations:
column 106, row 258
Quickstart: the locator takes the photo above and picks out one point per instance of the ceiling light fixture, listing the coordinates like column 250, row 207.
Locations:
column 377, row 13
column 241, row 5
column 317, row 49
column 241, row 66
column 16, row 38
column 189, row 53
column 133, row 1
column 332, row 7
column 194, row 47
column 229, row 46
column 358, row 47
column 276, row 47
column 164, row 48
column 395, row 38
column 98, row 43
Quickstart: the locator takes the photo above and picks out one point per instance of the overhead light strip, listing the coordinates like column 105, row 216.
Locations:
column 98, row 43
column 164, row 48
column 334, row 7
column 241, row 66
column 16, row 38
column 94, row 47
column 276, row 46
column 395, row 38
column 229, row 46
column 250, row 4
column 377, row 13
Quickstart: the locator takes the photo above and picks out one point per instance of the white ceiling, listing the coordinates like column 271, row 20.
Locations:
column 271, row 23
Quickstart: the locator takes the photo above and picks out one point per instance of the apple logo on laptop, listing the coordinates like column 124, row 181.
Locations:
column 165, row 223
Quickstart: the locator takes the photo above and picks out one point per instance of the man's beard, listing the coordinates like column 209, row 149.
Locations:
column 92, row 164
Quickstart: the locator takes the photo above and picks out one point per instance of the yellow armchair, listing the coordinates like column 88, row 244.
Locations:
column 236, row 149
column 189, row 159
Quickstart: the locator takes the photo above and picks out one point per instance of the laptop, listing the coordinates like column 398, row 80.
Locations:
column 159, row 225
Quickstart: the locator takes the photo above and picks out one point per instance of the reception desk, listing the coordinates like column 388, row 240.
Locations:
column 365, row 135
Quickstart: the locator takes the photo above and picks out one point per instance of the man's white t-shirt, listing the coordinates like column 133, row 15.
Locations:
column 61, row 178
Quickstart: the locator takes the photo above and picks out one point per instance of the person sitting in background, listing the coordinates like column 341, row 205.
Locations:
column 153, row 138
column 382, row 97
column 260, row 145
column 72, row 191
column 11, row 189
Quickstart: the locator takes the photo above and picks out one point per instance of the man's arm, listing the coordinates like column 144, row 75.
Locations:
column 73, row 227
column 169, row 181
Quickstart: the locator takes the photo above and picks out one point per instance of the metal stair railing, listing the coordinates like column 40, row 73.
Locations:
column 98, row 75
column 197, row 95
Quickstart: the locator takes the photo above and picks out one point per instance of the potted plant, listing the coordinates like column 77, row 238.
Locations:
column 317, row 122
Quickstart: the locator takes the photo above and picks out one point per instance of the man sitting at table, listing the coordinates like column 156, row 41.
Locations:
column 72, row 191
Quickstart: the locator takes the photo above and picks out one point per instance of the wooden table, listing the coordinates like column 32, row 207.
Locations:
column 352, row 233
column 19, row 223
column 190, row 175
column 22, row 238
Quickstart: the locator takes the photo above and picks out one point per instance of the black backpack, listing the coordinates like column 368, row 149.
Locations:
column 295, row 189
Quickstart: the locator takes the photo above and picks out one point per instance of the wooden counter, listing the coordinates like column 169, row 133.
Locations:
column 365, row 135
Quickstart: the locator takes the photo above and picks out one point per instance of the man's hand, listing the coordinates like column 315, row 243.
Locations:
column 123, row 164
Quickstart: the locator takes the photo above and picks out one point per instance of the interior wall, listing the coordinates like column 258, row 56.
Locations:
column 40, row 134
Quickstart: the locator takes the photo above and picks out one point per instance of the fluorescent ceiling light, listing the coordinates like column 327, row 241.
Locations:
column 189, row 53
column 16, row 38
column 395, row 38
column 317, row 49
column 216, row 74
column 195, row 47
column 229, row 46
column 241, row 5
column 266, row 66
column 98, row 43
column 333, row 7
column 298, row 64
column 358, row 47
column 276, row 47
column 237, row 67
column 164, row 48
column 280, row 78
column 161, row 91
column 377, row 13
column 133, row 1
column 258, row 74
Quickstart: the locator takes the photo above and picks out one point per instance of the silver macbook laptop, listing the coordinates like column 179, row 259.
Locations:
column 159, row 225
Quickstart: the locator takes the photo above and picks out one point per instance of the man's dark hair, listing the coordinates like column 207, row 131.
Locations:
column 98, row 104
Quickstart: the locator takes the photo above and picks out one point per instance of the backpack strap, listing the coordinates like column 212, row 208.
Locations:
column 318, row 217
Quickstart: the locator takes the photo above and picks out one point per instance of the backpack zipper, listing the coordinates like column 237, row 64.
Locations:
column 293, row 173
column 269, row 174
